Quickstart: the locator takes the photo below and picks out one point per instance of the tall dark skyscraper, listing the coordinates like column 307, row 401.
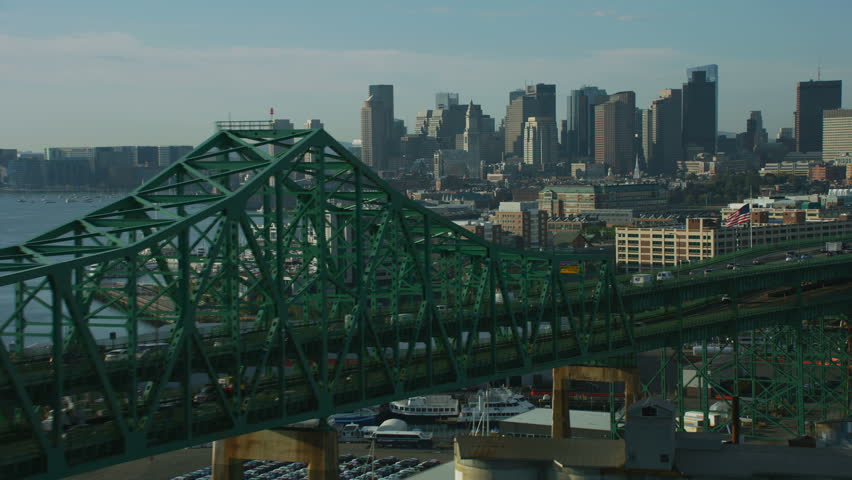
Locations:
column 580, row 135
column 384, row 94
column 812, row 98
column 699, row 112
column 538, row 101
column 711, row 73
column 665, row 130
column 755, row 134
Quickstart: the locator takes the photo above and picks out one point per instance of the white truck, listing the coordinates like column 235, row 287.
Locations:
column 642, row 280
column 833, row 246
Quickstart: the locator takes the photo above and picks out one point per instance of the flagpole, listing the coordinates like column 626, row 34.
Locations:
column 750, row 221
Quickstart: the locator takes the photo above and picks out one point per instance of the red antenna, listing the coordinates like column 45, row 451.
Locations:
column 271, row 112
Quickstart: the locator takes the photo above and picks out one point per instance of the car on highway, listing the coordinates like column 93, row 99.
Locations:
column 790, row 258
column 804, row 256
column 756, row 262
column 661, row 276
column 726, row 299
column 708, row 271
column 116, row 355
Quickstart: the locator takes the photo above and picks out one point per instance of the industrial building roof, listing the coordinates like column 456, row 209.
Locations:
column 581, row 419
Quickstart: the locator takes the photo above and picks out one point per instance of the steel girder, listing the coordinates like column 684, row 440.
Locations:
column 325, row 289
column 294, row 289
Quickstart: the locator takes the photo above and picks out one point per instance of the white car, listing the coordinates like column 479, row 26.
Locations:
column 116, row 355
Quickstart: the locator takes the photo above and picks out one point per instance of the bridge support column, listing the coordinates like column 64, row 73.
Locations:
column 317, row 448
column 561, row 426
column 561, row 411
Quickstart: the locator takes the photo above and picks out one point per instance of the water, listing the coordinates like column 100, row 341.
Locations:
column 21, row 221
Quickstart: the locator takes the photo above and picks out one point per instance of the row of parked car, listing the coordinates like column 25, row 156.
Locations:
column 365, row 467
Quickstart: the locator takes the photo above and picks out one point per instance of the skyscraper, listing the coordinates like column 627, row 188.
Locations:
column 667, row 151
column 581, row 121
column 446, row 99
column 812, row 98
column 755, row 134
column 699, row 112
column 519, row 109
column 374, row 134
column 279, row 124
column 540, row 145
column 711, row 73
column 313, row 124
column 614, row 132
column 647, row 136
column 471, row 135
column 836, row 134
column 384, row 93
column 537, row 100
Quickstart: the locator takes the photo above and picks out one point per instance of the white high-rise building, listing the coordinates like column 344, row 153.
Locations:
column 836, row 134
column 312, row 124
column 540, row 142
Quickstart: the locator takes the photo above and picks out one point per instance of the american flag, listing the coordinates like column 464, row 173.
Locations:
column 742, row 215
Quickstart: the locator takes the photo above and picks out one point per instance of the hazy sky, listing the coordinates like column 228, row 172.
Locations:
column 115, row 72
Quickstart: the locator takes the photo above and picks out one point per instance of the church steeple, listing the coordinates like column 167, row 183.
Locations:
column 637, row 172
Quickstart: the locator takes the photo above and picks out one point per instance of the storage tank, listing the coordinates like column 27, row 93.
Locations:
column 477, row 469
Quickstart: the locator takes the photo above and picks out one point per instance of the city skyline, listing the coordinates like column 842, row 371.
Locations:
column 118, row 75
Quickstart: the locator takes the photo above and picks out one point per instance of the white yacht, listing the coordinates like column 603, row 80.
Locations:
column 362, row 415
column 495, row 403
column 430, row 407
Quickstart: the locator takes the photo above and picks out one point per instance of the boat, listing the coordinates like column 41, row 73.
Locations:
column 495, row 403
column 395, row 432
column 429, row 407
column 362, row 415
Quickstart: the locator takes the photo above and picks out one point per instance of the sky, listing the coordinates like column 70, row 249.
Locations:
column 107, row 72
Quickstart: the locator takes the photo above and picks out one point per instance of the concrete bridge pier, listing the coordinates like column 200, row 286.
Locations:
column 317, row 448
column 561, row 427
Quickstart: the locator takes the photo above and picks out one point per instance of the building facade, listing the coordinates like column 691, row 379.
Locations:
column 580, row 124
column 537, row 100
column 667, row 148
column 374, row 140
column 446, row 100
column 836, row 134
column 703, row 238
column 562, row 200
column 524, row 220
column 699, row 113
column 540, row 142
column 812, row 98
column 614, row 143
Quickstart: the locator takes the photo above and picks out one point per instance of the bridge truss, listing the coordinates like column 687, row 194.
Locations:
column 295, row 284
column 328, row 290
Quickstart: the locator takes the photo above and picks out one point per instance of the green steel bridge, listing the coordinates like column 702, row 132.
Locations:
column 328, row 291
